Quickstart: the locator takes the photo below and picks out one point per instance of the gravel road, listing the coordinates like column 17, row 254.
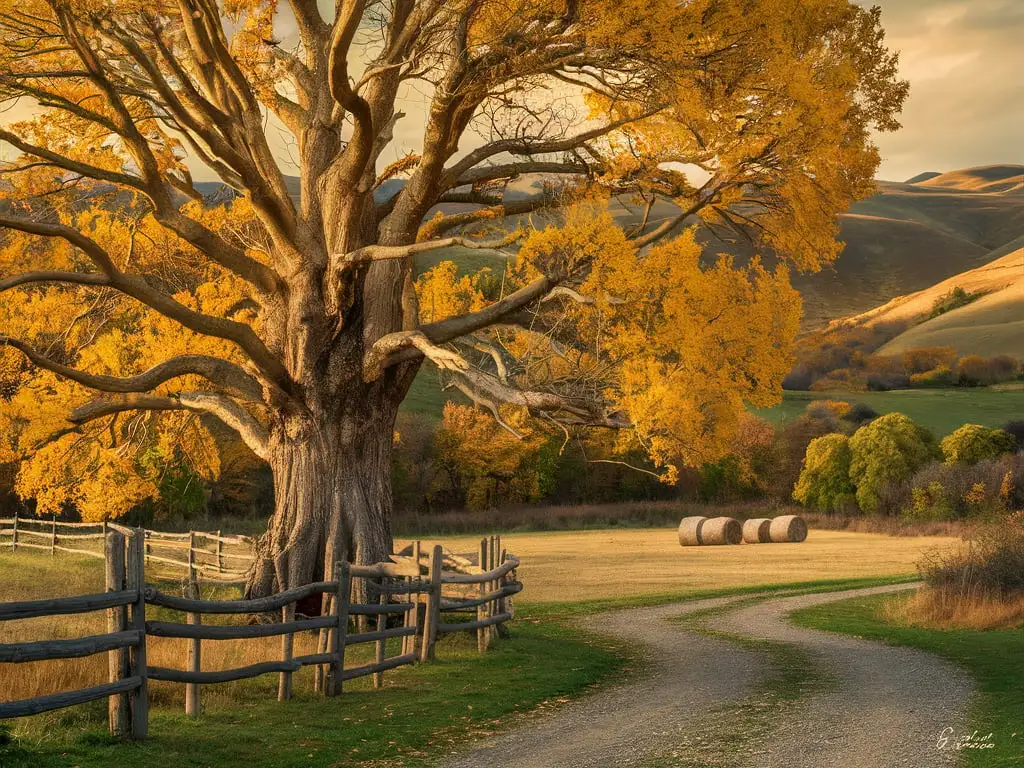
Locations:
column 886, row 708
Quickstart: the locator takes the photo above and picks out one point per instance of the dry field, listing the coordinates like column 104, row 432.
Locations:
column 579, row 565
column 559, row 566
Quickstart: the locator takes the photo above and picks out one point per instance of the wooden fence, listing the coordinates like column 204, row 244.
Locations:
column 414, row 592
column 214, row 556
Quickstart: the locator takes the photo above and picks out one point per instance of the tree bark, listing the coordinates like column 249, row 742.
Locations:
column 332, row 490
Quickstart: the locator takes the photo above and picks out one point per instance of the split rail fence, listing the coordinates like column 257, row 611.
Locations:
column 409, row 597
column 212, row 555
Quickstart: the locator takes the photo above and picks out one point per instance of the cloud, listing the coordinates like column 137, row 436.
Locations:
column 966, row 106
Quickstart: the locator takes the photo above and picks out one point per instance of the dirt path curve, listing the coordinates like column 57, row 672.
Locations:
column 887, row 706
column 905, row 696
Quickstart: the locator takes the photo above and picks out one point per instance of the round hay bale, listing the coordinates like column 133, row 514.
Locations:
column 788, row 529
column 721, row 530
column 756, row 530
column 689, row 531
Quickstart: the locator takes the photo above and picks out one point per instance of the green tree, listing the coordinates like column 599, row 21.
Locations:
column 824, row 481
column 972, row 442
column 888, row 450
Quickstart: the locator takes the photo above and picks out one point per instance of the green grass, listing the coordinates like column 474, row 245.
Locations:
column 422, row 712
column 940, row 410
column 995, row 659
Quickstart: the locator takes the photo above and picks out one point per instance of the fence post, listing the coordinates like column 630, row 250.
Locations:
column 195, row 646
column 14, row 533
column 382, row 623
column 503, row 630
column 53, row 536
column 433, row 612
column 412, row 615
column 137, row 581
column 482, row 633
column 118, row 711
column 341, row 598
column 220, row 553
column 191, row 556
column 492, row 607
column 284, row 682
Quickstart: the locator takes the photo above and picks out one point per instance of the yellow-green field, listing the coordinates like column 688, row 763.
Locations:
column 581, row 565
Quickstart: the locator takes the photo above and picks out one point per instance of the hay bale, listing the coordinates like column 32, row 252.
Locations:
column 689, row 531
column 788, row 529
column 721, row 530
column 757, row 530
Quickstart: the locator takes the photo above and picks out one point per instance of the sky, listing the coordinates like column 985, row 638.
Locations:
column 964, row 60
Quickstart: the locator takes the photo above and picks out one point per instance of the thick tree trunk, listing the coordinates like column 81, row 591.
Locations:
column 332, row 495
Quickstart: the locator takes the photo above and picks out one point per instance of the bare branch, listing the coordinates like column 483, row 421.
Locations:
column 214, row 369
column 233, row 415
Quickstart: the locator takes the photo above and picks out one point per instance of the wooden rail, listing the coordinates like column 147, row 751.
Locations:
column 195, row 552
column 407, row 602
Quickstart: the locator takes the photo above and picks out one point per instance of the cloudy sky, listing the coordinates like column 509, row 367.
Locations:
column 964, row 60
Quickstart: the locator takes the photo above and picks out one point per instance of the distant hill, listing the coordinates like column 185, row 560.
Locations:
column 906, row 238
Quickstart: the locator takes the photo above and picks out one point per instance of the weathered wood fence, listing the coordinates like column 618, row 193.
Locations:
column 414, row 592
column 212, row 555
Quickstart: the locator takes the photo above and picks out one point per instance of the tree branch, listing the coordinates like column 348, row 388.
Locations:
column 233, row 415
column 136, row 287
column 214, row 369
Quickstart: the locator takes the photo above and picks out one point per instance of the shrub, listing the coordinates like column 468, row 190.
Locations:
column 860, row 413
column 990, row 565
column 942, row 376
column 989, row 487
column 977, row 371
column 955, row 299
column 972, row 442
column 884, row 452
column 925, row 359
column 1016, row 429
column 824, row 481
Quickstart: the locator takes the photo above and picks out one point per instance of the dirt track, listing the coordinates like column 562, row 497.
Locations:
column 884, row 706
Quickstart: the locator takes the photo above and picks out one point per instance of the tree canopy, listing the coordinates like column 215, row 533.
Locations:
column 292, row 316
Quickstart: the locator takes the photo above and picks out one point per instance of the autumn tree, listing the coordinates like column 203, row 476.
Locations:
column 824, row 481
column 972, row 442
column 305, row 330
column 887, row 451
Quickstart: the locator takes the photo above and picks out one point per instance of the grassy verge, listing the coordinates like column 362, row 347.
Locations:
column 420, row 713
column 994, row 658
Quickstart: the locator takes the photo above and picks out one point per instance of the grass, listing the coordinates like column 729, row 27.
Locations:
column 994, row 658
column 940, row 410
column 426, row 709
column 570, row 566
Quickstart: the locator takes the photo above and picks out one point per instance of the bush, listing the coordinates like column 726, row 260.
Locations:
column 972, row 442
column 943, row 376
column 941, row 491
column 885, row 452
column 1016, row 429
column 955, row 299
column 977, row 371
column 991, row 565
column 824, row 481
column 925, row 359
column 860, row 413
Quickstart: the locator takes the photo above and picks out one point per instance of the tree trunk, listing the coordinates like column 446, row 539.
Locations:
column 332, row 497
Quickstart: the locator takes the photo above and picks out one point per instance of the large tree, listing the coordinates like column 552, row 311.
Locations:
column 754, row 115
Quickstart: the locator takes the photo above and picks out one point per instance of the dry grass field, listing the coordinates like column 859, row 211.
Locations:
column 564, row 566
column 558, row 567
